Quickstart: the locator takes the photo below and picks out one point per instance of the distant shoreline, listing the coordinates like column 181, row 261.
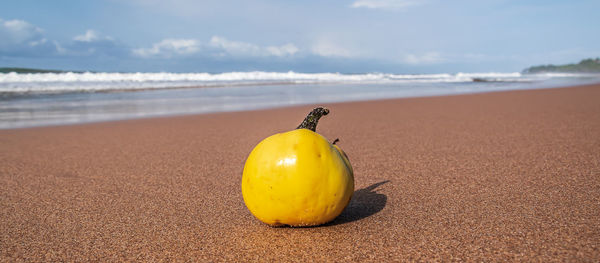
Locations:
column 31, row 70
column 590, row 65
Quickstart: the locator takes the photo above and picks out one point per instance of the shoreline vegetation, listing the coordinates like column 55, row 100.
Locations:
column 590, row 65
column 31, row 70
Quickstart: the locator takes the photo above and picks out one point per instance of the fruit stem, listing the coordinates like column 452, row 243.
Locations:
column 311, row 120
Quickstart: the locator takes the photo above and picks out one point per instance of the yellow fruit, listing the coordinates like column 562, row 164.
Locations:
column 297, row 178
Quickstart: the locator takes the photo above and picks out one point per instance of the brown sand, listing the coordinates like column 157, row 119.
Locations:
column 499, row 176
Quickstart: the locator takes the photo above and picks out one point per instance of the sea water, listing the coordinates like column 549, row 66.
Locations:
column 41, row 99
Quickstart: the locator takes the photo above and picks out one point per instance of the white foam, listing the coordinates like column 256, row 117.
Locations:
column 97, row 82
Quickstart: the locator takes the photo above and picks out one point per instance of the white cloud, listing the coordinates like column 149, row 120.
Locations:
column 281, row 51
column 89, row 36
column 19, row 32
column 93, row 43
column 92, row 36
column 59, row 48
column 327, row 48
column 38, row 42
column 234, row 47
column 217, row 46
column 384, row 4
column 169, row 47
column 427, row 58
column 237, row 48
column 20, row 38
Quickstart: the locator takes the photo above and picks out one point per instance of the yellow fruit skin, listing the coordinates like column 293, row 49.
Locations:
column 297, row 178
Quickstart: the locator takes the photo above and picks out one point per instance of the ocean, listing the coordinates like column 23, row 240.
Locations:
column 42, row 99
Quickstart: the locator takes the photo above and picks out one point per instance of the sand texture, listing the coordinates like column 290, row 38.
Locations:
column 510, row 176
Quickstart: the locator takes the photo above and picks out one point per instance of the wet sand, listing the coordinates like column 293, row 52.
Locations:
column 509, row 176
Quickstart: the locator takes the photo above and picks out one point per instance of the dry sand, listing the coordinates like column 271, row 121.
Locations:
column 510, row 176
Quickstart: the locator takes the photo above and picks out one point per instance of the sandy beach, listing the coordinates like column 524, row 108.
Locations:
column 507, row 176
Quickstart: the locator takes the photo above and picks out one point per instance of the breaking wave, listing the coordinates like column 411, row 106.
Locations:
column 16, row 83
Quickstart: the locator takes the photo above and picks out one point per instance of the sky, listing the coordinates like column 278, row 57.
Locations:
column 351, row 36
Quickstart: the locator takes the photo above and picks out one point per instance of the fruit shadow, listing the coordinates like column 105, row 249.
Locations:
column 364, row 203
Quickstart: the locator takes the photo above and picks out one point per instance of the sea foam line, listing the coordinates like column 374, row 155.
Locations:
column 231, row 76
column 16, row 83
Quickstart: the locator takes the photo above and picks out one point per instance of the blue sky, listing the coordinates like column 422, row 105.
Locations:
column 397, row 36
